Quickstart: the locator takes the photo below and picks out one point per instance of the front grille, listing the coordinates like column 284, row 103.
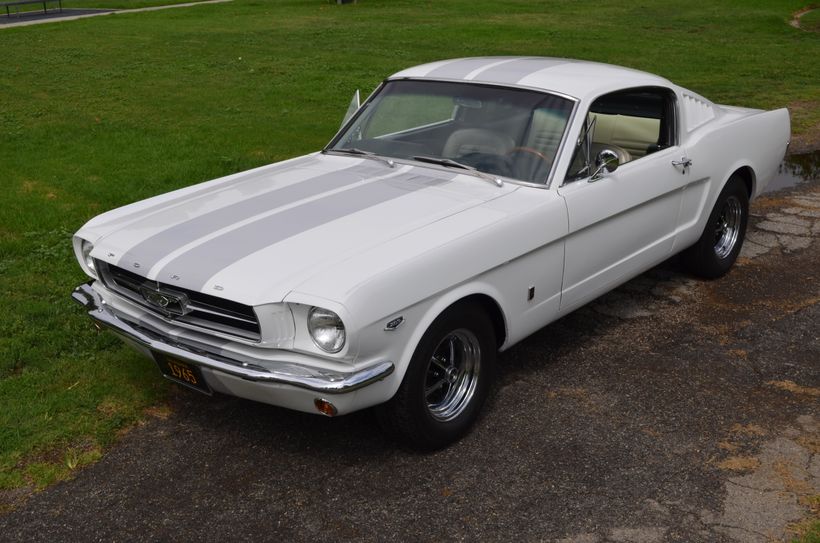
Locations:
column 205, row 311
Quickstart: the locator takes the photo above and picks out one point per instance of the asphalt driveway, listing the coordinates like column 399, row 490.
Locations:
column 670, row 410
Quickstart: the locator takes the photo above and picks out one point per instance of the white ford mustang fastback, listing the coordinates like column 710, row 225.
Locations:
column 466, row 204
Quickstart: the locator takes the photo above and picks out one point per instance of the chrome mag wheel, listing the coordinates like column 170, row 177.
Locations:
column 727, row 227
column 447, row 380
column 719, row 244
column 452, row 375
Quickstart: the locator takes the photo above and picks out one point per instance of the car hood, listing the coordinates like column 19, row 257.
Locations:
column 255, row 236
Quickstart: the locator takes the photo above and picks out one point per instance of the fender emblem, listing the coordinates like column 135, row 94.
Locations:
column 395, row 323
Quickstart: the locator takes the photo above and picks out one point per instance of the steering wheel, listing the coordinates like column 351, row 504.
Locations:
column 488, row 163
column 527, row 168
column 531, row 151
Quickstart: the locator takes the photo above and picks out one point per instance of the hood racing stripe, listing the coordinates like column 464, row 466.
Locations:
column 212, row 188
column 184, row 248
column 198, row 265
column 151, row 250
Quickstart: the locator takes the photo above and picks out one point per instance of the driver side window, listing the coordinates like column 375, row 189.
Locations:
column 632, row 124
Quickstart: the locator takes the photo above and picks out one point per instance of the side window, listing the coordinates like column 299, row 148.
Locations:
column 632, row 124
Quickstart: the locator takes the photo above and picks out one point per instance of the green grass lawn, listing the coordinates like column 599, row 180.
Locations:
column 100, row 112
column 809, row 530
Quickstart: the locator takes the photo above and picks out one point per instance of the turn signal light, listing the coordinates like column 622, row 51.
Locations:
column 325, row 407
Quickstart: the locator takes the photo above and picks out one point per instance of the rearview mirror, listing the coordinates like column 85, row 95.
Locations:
column 355, row 103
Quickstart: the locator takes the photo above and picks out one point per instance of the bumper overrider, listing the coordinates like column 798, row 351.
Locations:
column 234, row 375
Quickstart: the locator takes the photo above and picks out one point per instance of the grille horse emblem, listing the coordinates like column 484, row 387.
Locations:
column 170, row 304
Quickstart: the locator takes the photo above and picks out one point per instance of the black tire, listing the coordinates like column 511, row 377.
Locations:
column 717, row 249
column 446, row 383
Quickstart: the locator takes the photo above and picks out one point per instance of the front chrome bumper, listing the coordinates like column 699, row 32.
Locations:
column 287, row 373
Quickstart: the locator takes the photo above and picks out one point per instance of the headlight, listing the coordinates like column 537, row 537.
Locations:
column 326, row 329
column 86, row 247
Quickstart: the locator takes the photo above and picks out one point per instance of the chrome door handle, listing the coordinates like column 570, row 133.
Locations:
column 684, row 163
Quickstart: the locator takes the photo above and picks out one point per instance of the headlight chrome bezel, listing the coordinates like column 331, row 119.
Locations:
column 326, row 329
column 85, row 252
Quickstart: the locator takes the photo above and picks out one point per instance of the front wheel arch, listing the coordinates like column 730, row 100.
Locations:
column 416, row 416
column 493, row 311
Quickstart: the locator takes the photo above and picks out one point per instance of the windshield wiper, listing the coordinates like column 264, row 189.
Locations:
column 362, row 152
column 455, row 164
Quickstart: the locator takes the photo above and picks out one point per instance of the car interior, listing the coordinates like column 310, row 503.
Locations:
column 632, row 124
column 508, row 132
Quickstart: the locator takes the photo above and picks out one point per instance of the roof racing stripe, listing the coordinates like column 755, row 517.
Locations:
column 460, row 68
column 513, row 72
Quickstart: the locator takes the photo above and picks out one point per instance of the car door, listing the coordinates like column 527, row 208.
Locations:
column 623, row 222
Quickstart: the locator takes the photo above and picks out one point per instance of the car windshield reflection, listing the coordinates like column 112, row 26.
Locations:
column 507, row 132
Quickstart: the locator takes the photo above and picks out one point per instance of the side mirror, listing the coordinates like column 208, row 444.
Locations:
column 606, row 161
column 355, row 103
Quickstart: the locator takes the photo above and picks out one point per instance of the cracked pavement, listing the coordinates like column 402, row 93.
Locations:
column 671, row 409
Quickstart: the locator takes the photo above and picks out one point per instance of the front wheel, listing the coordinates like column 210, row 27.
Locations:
column 446, row 382
column 717, row 249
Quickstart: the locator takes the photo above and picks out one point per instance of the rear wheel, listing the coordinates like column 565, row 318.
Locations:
column 717, row 249
column 446, row 382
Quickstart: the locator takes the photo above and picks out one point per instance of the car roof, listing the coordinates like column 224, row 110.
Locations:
column 576, row 78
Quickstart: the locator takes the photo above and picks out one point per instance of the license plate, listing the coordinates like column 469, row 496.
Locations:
column 181, row 372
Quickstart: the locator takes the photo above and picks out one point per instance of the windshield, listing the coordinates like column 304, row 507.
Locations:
column 500, row 131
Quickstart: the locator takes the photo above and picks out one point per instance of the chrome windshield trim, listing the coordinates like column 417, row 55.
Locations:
column 287, row 373
column 561, row 147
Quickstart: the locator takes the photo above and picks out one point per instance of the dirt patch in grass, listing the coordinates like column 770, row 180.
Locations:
column 794, row 388
column 727, row 446
column 810, row 442
column 807, row 19
column 792, row 481
column 739, row 463
column 748, row 430
column 158, row 412
column 798, row 15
